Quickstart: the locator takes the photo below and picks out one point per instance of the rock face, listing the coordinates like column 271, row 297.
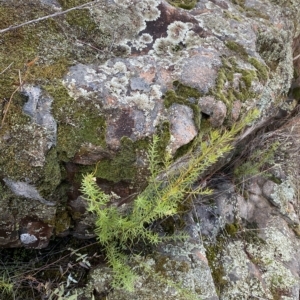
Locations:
column 92, row 86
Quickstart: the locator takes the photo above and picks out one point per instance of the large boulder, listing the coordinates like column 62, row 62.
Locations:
column 90, row 87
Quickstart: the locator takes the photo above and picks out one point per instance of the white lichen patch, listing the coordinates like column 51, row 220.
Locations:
column 243, row 261
column 148, row 9
column 175, row 47
column 177, row 31
column 124, row 3
column 27, row 238
column 142, row 41
column 83, row 81
column 140, row 100
column 284, row 197
column 119, row 67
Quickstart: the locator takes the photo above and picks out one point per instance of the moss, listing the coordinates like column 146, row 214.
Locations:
column 272, row 48
column 185, row 91
column 247, row 77
column 78, row 122
column 262, row 71
column 184, row 95
column 232, row 229
column 239, row 49
column 296, row 93
column 15, row 160
column 62, row 222
column 52, row 173
column 226, row 89
column 240, row 3
column 121, row 167
column 185, row 4
column 164, row 133
column 50, row 53
column 229, row 15
column 213, row 254
column 66, row 4
column 251, row 12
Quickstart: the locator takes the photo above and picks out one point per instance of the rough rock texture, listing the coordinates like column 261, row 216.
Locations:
column 95, row 84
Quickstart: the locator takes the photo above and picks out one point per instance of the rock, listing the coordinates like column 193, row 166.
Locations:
column 115, row 73
column 236, row 109
column 38, row 107
column 100, row 99
column 183, row 129
column 216, row 110
column 35, row 233
column 26, row 190
column 268, row 189
column 200, row 70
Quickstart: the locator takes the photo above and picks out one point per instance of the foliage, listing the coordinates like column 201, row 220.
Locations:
column 6, row 287
column 256, row 161
column 160, row 199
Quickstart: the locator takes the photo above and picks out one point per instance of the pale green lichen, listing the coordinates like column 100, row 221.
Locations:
column 271, row 256
column 284, row 195
column 180, row 38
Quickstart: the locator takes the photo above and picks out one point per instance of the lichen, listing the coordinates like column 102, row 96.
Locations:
column 235, row 81
column 231, row 256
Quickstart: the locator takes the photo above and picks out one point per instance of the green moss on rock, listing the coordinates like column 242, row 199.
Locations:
column 184, row 95
column 213, row 253
column 79, row 121
column 238, row 48
column 296, row 93
column 52, row 173
column 185, row 4
column 262, row 70
column 122, row 166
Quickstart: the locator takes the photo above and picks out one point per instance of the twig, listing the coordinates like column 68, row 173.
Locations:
column 88, row 44
column 8, row 104
column 296, row 57
column 47, row 17
column 21, row 82
column 6, row 68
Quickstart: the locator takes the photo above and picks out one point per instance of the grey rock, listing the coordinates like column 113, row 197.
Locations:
column 38, row 107
column 26, row 190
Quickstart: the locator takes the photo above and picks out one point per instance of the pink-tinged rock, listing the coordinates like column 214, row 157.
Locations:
column 236, row 110
column 216, row 110
column 183, row 129
column 200, row 70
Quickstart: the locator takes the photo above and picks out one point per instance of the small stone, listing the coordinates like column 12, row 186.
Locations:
column 236, row 109
column 268, row 189
column 215, row 109
column 183, row 129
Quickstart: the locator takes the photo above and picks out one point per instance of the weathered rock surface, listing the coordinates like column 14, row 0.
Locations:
column 97, row 83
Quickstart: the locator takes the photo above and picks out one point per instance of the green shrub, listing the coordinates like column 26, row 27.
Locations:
column 165, row 191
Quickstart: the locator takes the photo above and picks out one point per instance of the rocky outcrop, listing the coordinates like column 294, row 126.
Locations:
column 92, row 86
